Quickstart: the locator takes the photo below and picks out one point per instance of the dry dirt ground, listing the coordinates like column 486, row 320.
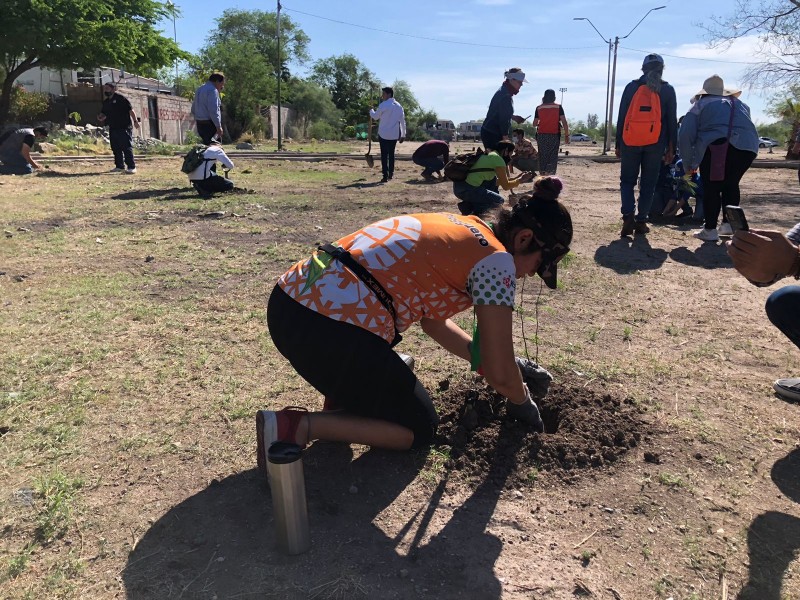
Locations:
column 669, row 468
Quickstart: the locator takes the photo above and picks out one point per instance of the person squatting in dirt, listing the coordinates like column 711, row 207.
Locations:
column 479, row 192
column 765, row 257
column 337, row 315
column 205, row 179
column 15, row 150
column 433, row 155
column 526, row 157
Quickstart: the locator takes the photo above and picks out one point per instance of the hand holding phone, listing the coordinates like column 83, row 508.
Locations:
column 736, row 218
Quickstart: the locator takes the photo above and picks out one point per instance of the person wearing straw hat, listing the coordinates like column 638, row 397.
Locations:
column 496, row 126
column 718, row 138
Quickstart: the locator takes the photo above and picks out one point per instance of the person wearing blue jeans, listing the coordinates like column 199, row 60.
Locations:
column 645, row 160
column 15, row 150
column 433, row 155
column 480, row 191
column 765, row 257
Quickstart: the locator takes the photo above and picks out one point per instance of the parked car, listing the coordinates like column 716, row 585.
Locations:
column 579, row 137
column 767, row 142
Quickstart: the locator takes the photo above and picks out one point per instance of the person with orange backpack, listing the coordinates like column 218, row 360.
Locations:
column 647, row 133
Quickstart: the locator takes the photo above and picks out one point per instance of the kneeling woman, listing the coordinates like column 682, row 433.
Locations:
column 337, row 327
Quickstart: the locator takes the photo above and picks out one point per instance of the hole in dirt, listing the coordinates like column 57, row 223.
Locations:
column 586, row 428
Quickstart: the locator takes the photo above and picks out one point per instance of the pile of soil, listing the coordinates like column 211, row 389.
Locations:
column 585, row 428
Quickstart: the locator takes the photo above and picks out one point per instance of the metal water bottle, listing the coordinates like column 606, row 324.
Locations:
column 285, row 469
column 409, row 360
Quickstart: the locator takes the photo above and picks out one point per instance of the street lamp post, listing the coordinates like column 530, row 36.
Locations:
column 562, row 90
column 613, row 73
column 172, row 7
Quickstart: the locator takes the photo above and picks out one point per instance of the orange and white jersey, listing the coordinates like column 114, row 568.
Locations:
column 434, row 265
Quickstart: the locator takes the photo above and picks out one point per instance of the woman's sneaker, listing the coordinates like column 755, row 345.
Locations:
column 276, row 426
column 725, row 229
column 707, row 235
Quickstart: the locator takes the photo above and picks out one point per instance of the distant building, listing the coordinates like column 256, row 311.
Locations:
column 441, row 130
column 471, row 130
column 164, row 115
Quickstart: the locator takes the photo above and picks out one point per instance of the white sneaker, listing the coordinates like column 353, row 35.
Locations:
column 116, row 170
column 707, row 235
column 725, row 229
column 130, row 171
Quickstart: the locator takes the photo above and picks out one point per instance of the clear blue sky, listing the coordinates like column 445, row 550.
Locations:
column 453, row 53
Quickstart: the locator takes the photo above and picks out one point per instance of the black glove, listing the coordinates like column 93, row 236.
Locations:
column 535, row 377
column 526, row 412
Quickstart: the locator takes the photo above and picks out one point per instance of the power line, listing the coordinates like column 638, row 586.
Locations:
column 432, row 39
column 459, row 43
column 726, row 62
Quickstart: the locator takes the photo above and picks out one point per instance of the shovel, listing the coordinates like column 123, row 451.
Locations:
column 368, row 155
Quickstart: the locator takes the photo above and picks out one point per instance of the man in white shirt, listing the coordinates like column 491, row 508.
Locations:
column 207, row 108
column 205, row 179
column 391, row 129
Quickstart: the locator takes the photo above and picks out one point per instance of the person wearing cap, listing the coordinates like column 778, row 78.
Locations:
column 643, row 162
column 205, row 179
column 718, row 122
column 496, row 126
column 120, row 117
column 430, row 266
column 207, row 108
column 549, row 120
column 15, row 150
column 391, row 129
column 479, row 193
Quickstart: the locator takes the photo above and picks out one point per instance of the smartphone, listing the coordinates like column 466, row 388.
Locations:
column 736, row 218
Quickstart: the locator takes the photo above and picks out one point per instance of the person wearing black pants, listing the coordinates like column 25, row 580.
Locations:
column 118, row 114
column 717, row 119
column 717, row 194
column 391, row 129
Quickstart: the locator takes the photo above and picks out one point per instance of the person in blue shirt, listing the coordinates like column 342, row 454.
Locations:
column 718, row 119
column 207, row 108
column 496, row 126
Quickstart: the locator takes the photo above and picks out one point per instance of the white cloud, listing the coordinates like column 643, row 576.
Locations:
column 459, row 97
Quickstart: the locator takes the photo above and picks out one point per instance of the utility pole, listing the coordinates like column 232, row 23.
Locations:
column 562, row 90
column 278, row 23
column 613, row 74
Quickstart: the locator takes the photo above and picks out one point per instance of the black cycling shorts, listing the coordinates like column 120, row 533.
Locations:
column 357, row 369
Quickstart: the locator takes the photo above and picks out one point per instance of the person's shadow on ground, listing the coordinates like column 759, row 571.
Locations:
column 773, row 538
column 51, row 173
column 173, row 193
column 626, row 257
column 361, row 183
column 708, row 255
column 221, row 541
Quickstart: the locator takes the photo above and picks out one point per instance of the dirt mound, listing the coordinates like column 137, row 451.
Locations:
column 585, row 428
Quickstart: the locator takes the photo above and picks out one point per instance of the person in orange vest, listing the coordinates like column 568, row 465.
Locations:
column 354, row 297
column 549, row 120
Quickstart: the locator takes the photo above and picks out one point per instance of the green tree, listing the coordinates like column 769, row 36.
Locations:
column 353, row 87
column 244, row 46
column 776, row 22
column 313, row 103
column 592, row 120
column 90, row 33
